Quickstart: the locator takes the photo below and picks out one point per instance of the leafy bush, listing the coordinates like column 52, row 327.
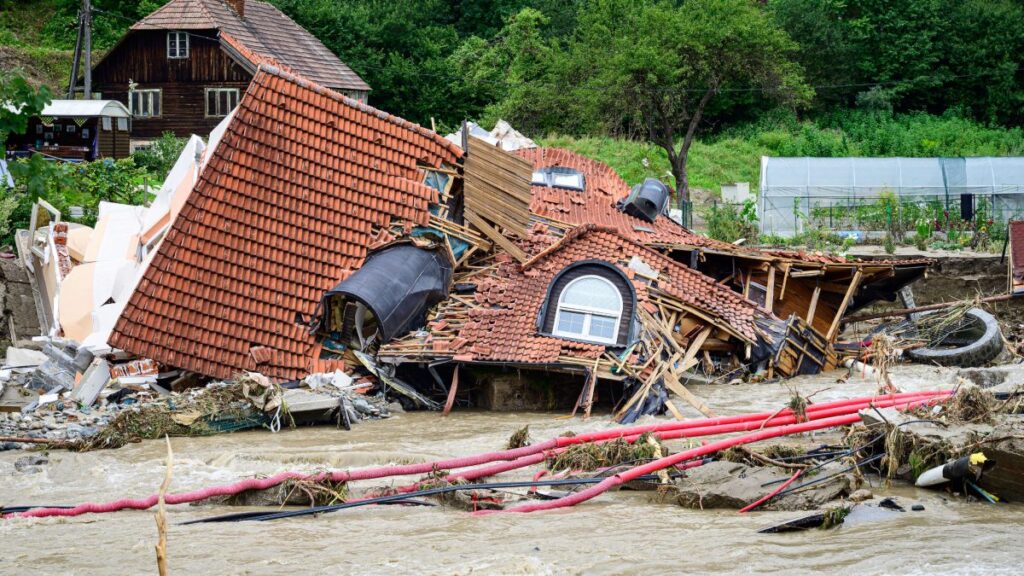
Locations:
column 729, row 223
column 65, row 185
column 159, row 157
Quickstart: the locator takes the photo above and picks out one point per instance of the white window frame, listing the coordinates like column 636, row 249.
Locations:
column 588, row 313
column 149, row 95
column 218, row 91
column 181, row 40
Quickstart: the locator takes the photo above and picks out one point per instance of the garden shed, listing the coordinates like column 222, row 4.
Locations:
column 876, row 194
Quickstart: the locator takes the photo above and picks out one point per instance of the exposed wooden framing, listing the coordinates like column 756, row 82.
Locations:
column 493, row 233
column 690, row 360
column 588, row 401
column 673, row 384
column 785, row 279
column 496, row 185
column 837, row 321
column 814, row 303
column 451, row 392
column 807, row 273
column 461, row 232
column 769, row 297
column 675, row 411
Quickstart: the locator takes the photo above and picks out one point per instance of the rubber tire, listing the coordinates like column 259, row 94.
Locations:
column 977, row 353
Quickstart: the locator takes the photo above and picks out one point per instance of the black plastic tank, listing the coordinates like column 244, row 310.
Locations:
column 647, row 200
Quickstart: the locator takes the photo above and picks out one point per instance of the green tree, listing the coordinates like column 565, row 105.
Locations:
column 18, row 102
column 663, row 64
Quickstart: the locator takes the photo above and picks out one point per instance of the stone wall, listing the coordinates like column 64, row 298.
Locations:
column 18, row 317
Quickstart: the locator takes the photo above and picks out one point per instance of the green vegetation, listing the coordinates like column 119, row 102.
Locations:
column 733, row 155
column 689, row 91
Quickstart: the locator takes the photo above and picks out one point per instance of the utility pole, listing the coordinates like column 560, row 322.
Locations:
column 87, row 24
column 78, row 55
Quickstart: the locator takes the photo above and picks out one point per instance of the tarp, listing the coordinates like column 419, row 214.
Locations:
column 503, row 135
column 398, row 284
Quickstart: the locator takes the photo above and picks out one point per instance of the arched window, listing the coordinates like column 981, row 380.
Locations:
column 589, row 308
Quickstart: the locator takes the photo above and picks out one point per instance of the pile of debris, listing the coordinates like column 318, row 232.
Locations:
column 54, row 392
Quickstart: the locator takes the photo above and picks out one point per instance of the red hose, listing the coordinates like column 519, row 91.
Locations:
column 516, row 457
column 771, row 494
column 633, row 473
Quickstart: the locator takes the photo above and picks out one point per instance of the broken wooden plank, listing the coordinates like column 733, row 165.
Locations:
column 677, row 388
column 675, row 411
column 814, row 303
column 451, row 392
column 493, row 233
column 837, row 321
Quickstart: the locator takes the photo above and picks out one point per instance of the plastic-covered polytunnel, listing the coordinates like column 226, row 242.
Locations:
column 876, row 194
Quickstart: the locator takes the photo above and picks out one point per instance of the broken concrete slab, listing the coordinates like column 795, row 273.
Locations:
column 306, row 407
column 24, row 360
column 17, row 398
column 733, row 485
column 96, row 377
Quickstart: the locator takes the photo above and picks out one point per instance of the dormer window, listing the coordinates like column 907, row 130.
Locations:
column 589, row 302
column 177, row 45
column 559, row 177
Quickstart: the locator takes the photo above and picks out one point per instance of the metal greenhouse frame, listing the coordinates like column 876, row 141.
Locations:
column 870, row 194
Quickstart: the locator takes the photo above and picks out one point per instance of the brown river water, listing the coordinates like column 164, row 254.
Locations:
column 617, row 533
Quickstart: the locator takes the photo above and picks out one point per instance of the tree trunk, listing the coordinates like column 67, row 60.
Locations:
column 682, row 179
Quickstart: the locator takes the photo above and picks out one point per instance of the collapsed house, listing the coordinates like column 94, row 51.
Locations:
column 322, row 234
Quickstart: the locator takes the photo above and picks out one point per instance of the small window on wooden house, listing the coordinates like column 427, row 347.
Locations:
column 145, row 104
column 591, row 303
column 177, row 45
column 220, row 101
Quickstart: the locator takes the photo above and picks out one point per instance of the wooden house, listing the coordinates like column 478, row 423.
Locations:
column 184, row 67
column 75, row 130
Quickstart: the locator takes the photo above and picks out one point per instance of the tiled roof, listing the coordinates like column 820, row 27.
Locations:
column 596, row 204
column 284, row 209
column 265, row 31
column 503, row 327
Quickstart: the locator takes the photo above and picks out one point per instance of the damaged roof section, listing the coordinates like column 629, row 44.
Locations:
column 287, row 206
column 501, row 321
column 597, row 203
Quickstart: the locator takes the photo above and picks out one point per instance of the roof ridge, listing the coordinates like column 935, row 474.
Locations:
column 297, row 78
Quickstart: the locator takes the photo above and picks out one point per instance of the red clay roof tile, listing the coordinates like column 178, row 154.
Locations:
column 270, row 226
column 503, row 328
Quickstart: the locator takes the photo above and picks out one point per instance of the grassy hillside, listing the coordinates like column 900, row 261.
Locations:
column 734, row 154
column 37, row 37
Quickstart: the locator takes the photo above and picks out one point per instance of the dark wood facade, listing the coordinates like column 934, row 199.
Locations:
column 141, row 57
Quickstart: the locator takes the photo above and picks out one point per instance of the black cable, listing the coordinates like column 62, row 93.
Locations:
column 398, row 497
column 18, row 509
column 830, row 460
column 874, row 458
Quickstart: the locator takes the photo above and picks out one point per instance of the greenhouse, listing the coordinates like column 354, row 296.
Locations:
column 886, row 194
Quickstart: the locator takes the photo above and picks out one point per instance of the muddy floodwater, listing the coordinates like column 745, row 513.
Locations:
column 617, row 533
